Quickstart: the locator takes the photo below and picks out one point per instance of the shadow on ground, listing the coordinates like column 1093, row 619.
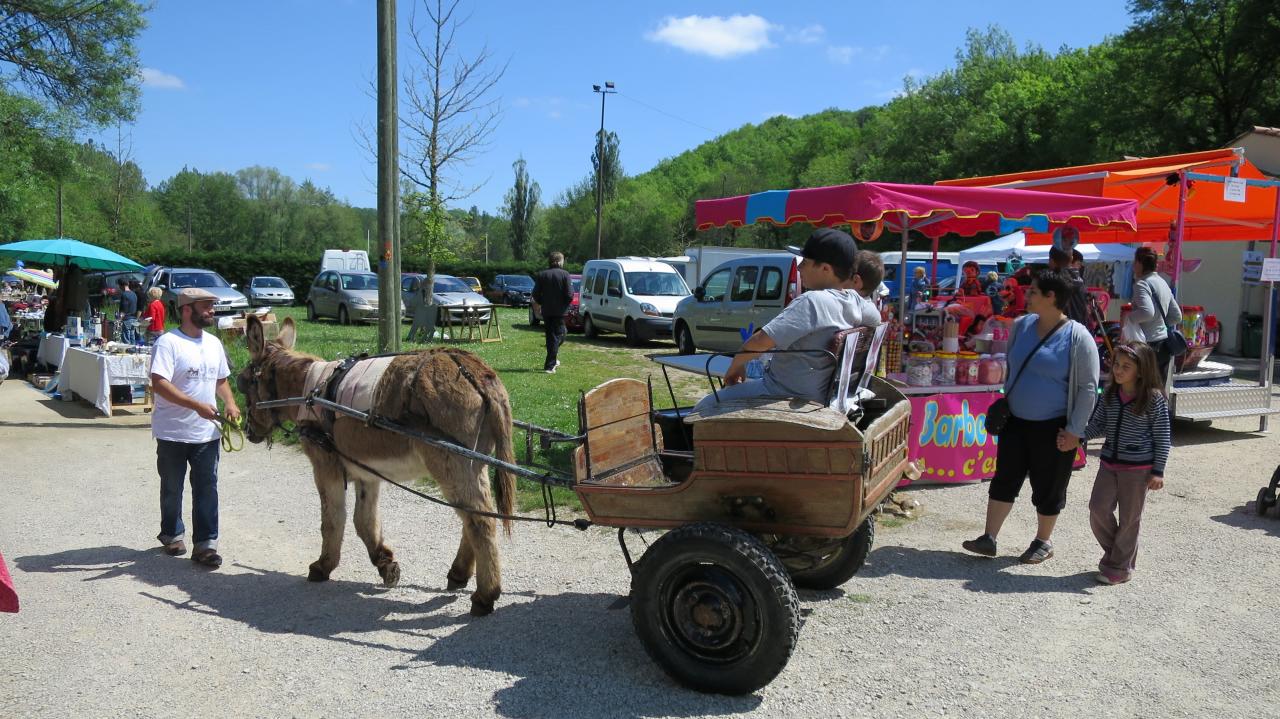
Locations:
column 979, row 574
column 569, row 653
column 1246, row 516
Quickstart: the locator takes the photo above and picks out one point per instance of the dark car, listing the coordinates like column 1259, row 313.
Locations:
column 572, row 317
column 102, row 287
column 513, row 290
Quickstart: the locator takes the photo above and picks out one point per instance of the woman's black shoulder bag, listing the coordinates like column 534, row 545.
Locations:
column 998, row 413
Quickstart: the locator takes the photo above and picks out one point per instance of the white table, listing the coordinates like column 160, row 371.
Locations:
column 91, row 374
column 696, row 363
column 52, row 349
column 900, row 382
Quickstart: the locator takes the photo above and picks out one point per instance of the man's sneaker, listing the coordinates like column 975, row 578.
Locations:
column 984, row 545
column 1037, row 552
column 550, row 371
column 557, row 363
column 176, row 548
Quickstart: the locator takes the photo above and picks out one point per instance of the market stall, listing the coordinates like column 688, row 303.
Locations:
column 91, row 375
column 1216, row 195
column 947, row 431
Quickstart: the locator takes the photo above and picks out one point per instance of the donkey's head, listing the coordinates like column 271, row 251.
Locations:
column 257, row 381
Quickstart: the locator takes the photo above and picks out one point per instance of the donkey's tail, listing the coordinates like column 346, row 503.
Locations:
column 505, row 486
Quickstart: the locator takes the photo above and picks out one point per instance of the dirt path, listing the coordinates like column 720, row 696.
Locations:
column 110, row 627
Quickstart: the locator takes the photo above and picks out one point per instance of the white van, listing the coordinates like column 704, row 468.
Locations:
column 633, row 295
column 345, row 261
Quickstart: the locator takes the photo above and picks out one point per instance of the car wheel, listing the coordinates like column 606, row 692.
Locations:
column 343, row 317
column 533, row 319
column 633, row 337
column 589, row 328
column 311, row 312
column 684, row 339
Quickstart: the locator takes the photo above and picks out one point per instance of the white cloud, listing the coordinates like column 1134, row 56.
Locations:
column 319, row 166
column 152, row 77
column 521, row 102
column 551, row 107
column 806, row 35
column 842, row 54
column 715, row 36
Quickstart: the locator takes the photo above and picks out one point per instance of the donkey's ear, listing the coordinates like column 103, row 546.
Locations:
column 288, row 334
column 253, row 336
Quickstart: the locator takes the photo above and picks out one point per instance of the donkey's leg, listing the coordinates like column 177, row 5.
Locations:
column 333, row 516
column 488, row 567
column 464, row 562
column 466, row 485
column 369, row 527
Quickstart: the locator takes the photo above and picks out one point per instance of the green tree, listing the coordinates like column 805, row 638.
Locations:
column 611, row 173
column 521, row 209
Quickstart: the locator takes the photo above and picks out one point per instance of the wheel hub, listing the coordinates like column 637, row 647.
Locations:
column 706, row 615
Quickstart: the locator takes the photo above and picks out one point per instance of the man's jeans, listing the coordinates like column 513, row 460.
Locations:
column 129, row 331
column 172, row 459
column 554, row 332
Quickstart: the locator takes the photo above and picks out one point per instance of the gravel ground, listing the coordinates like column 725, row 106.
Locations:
column 110, row 627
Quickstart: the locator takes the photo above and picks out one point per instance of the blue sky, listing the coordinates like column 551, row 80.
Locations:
column 285, row 83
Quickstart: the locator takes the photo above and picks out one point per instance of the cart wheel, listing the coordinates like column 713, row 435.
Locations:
column 1266, row 500
column 715, row 609
column 821, row 563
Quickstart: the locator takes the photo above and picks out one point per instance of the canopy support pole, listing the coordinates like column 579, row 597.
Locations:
column 902, row 272
column 934, row 281
column 1266, row 363
column 1175, row 243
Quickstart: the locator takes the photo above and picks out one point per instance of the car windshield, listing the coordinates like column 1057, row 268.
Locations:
column 197, row 279
column 360, row 282
column 269, row 282
column 520, row 282
column 451, row 284
column 655, row 284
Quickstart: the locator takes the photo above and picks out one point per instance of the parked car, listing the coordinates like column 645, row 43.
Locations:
column 738, row 297
column 513, row 290
column 633, row 295
column 102, row 287
column 347, row 296
column 172, row 280
column 474, row 284
column 448, row 291
column 572, row 315
column 269, row 291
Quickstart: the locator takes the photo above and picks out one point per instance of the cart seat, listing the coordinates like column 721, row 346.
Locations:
column 620, row 446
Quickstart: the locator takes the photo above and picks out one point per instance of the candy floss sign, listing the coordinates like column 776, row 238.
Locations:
column 949, row 439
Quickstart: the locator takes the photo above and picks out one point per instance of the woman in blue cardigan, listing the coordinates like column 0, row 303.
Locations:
column 1050, row 408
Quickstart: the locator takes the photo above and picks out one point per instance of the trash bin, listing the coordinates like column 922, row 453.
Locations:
column 1251, row 340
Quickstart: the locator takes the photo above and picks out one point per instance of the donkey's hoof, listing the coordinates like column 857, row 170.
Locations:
column 455, row 583
column 316, row 574
column 390, row 574
column 481, row 607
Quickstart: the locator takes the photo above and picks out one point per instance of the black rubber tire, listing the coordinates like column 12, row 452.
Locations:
column 840, row 559
column 633, row 337
column 1266, row 500
column 343, row 317
column 533, row 319
column 684, row 339
column 311, row 312
column 715, row 609
column 589, row 328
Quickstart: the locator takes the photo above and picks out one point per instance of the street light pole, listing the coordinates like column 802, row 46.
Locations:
column 606, row 90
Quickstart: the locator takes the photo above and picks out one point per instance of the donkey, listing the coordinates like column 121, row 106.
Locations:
column 442, row 392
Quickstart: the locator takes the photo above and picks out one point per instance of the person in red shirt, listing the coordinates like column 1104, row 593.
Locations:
column 154, row 315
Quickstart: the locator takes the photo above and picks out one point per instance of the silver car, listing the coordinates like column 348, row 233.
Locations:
column 268, row 291
column 347, row 296
column 737, row 298
column 172, row 280
column 449, row 292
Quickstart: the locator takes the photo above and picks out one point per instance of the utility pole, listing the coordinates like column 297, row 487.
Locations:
column 388, row 187
column 486, row 248
column 606, row 90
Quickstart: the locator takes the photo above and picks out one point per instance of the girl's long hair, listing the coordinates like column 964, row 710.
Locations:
column 1149, row 383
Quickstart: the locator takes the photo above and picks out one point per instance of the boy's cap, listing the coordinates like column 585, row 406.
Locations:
column 829, row 245
column 194, row 294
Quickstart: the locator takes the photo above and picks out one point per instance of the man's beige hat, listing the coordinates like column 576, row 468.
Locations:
column 194, row 294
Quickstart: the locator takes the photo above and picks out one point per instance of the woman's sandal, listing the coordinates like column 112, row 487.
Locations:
column 208, row 558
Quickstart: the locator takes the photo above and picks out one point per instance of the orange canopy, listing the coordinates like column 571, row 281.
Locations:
column 1153, row 183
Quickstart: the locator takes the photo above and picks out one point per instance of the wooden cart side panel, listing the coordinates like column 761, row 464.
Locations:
column 615, row 400
column 813, row 506
column 618, row 432
column 886, row 450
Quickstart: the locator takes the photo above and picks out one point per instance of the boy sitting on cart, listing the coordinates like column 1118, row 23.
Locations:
column 808, row 323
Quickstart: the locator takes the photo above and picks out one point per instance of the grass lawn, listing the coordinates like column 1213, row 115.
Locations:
column 536, row 397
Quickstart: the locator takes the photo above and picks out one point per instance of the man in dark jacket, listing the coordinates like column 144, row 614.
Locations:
column 552, row 295
column 1077, row 295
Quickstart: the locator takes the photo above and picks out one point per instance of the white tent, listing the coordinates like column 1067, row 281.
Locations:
column 999, row 250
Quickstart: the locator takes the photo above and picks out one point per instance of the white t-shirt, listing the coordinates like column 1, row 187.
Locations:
column 193, row 365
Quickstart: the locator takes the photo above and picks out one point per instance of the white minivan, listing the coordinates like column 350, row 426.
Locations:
column 633, row 295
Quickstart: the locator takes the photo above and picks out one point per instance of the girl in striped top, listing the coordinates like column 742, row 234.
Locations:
column 1133, row 416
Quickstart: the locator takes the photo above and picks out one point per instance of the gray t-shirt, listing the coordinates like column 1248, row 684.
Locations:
column 808, row 324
